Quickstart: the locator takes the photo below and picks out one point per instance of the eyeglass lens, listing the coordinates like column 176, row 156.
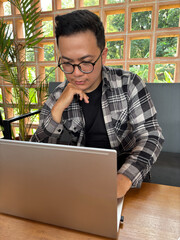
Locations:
column 83, row 67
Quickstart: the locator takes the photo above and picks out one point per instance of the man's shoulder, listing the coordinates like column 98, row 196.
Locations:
column 117, row 77
column 59, row 89
column 61, row 86
column 55, row 94
column 119, row 72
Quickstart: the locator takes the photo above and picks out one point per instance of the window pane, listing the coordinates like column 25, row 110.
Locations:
column 15, row 112
column 32, row 131
column 166, row 47
column 49, row 52
column 168, row 18
column 9, row 31
column 114, row 1
column 14, row 79
column 47, row 28
column 30, row 57
column 67, row 4
column 50, row 74
column 46, row 5
column 34, row 118
column 140, row 48
column 115, row 49
column 164, row 73
column 7, row 8
column 31, row 74
column 3, row 117
column 23, row 30
column 141, row 20
column 141, row 70
column 33, row 96
column 87, row 3
column 115, row 23
column 1, row 98
column 2, row 112
column 116, row 66
column 14, row 94
column 16, row 131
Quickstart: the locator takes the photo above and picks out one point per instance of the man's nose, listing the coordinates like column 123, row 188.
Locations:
column 77, row 71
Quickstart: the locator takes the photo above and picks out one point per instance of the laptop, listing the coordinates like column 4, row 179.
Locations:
column 67, row 186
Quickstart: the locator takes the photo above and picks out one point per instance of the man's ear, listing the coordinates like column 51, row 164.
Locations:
column 104, row 55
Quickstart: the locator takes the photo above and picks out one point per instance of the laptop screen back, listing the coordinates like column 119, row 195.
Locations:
column 73, row 187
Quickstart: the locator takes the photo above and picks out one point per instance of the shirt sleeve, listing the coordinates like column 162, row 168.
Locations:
column 48, row 130
column 146, row 130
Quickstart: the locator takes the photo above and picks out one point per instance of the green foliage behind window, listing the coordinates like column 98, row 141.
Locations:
column 30, row 55
column 166, row 47
column 48, row 28
column 140, row 70
column 140, row 48
column 31, row 74
column 115, row 49
column 1, row 96
column 88, row 3
column 7, row 8
column 115, row 1
column 141, row 20
column 46, row 5
column 49, row 52
column 67, row 4
column 33, row 95
column 116, row 66
column 115, row 23
column 49, row 71
column 169, row 18
column 164, row 73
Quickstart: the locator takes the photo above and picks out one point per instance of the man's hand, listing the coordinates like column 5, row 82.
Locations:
column 123, row 185
column 65, row 100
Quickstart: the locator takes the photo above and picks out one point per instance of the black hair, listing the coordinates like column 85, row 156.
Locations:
column 80, row 21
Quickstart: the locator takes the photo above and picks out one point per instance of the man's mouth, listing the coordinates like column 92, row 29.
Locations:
column 79, row 82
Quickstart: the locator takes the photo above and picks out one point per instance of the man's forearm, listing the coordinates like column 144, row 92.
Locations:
column 123, row 185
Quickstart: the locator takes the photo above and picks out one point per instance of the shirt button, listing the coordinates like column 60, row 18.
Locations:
column 59, row 130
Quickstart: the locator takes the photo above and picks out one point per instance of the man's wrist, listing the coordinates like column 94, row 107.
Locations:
column 123, row 185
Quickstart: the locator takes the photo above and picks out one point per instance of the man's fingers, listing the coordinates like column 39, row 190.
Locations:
column 83, row 96
column 71, row 91
column 86, row 99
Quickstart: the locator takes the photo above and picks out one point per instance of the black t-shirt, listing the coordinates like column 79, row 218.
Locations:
column 95, row 130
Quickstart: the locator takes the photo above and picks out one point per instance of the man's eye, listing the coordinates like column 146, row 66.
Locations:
column 66, row 63
column 86, row 63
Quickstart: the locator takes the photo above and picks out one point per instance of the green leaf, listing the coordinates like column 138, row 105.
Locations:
column 168, row 78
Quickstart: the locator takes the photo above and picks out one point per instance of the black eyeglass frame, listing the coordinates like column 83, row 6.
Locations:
column 78, row 65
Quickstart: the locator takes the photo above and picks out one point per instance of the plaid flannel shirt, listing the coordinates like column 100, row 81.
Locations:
column 130, row 120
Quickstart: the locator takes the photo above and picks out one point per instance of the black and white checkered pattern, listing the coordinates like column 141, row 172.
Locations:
column 130, row 120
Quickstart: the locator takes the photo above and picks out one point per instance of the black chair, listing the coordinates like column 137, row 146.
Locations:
column 166, row 98
column 6, row 124
column 1, row 124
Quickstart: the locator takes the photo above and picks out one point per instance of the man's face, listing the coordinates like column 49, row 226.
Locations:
column 81, row 47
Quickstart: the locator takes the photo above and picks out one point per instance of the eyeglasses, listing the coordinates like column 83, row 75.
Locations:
column 84, row 67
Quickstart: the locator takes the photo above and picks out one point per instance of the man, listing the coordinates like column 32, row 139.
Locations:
column 98, row 106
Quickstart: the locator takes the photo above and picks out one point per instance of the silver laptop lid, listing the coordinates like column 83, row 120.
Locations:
column 73, row 187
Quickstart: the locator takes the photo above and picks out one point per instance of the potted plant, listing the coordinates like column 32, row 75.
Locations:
column 13, row 64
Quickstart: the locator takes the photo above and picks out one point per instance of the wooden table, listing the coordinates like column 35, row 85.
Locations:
column 150, row 213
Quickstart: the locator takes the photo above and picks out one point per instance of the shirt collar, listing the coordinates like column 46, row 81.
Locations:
column 106, row 78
